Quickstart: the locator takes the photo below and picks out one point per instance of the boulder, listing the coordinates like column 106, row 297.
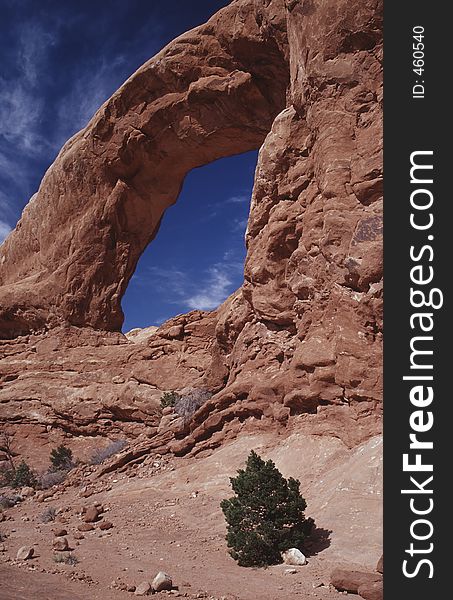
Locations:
column 162, row 581
column 105, row 525
column 85, row 527
column 27, row 492
column 372, row 591
column 294, row 556
column 350, row 581
column 143, row 589
column 60, row 532
column 60, row 544
column 25, row 552
column 92, row 514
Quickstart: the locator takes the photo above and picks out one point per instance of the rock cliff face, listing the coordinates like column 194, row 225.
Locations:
column 301, row 339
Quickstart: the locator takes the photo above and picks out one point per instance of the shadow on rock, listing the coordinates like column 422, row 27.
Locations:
column 319, row 540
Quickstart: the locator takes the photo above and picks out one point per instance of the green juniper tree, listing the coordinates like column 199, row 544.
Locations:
column 266, row 515
column 61, row 458
column 168, row 399
column 23, row 476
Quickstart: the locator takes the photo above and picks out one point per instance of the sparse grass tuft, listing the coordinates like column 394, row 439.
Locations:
column 51, row 478
column 189, row 402
column 102, row 454
column 49, row 515
column 67, row 559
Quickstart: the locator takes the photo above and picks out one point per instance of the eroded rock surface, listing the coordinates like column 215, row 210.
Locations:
column 302, row 336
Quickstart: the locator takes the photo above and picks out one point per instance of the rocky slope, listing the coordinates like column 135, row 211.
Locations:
column 165, row 514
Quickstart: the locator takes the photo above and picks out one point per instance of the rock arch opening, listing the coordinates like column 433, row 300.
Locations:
column 211, row 93
column 197, row 258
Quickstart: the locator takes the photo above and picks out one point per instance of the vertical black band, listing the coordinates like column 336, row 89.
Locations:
column 417, row 259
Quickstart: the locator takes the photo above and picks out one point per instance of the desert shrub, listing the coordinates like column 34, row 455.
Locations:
column 49, row 515
column 168, row 399
column 8, row 501
column 22, row 476
column 66, row 558
column 6, row 446
column 266, row 515
column 6, row 476
column 101, row 454
column 51, row 478
column 189, row 402
column 61, row 458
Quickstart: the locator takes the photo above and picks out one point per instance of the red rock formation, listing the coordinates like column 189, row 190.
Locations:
column 212, row 92
column 303, row 334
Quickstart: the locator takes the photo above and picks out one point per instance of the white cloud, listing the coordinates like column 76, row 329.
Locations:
column 19, row 111
column 5, row 229
column 239, row 224
column 172, row 282
column 91, row 87
column 214, row 291
column 205, row 292
column 4, row 202
column 33, row 44
column 20, row 105
column 239, row 199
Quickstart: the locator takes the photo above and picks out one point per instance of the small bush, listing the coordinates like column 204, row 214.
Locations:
column 49, row 515
column 266, row 515
column 8, row 501
column 22, row 476
column 101, row 454
column 61, row 458
column 51, row 478
column 190, row 402
column 67, row 559
column 169, row 399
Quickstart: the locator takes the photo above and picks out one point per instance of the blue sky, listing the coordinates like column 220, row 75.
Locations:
column 59, row 62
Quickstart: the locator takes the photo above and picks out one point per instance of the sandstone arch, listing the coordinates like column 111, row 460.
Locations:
column 303, row 335
column 212, row 92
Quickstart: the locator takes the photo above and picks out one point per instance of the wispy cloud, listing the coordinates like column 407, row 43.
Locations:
column 203, row 291
column 34, row 42
column 20, row 105
column 214, row 209
column 239, row 224
column 169, row 281
column 91, row 86
column 215, row 289
column 239, row 199
column 5, row 229
column 4, row 202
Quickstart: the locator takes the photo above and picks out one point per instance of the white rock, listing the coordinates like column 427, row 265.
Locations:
column 161, row 582
column 293, row 556
column 27, row 491
column 25, row 553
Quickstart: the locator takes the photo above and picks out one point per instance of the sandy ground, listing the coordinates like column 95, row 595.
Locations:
column 166, row 516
